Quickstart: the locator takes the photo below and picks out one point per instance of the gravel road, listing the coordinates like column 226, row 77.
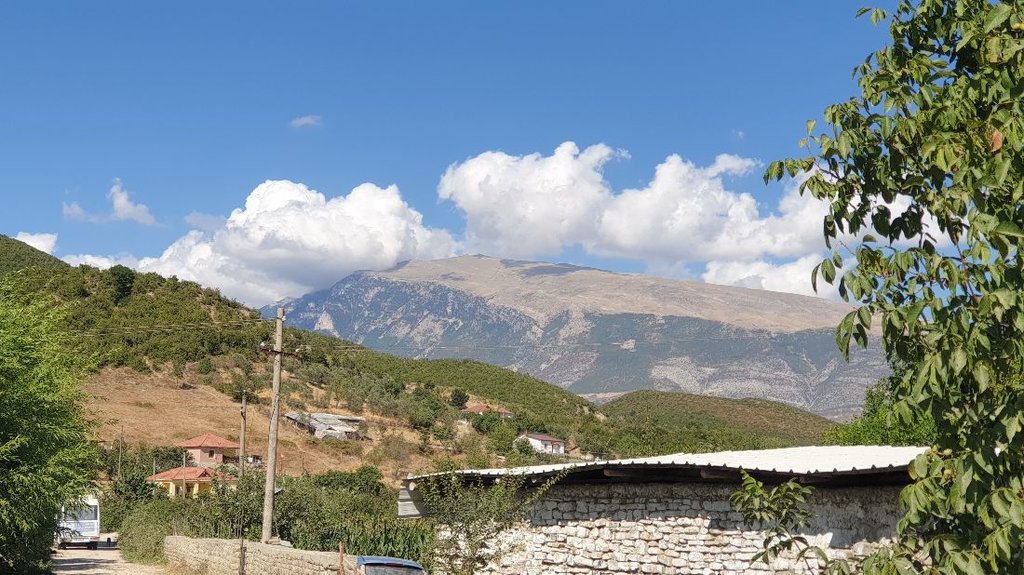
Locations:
column 103, row 561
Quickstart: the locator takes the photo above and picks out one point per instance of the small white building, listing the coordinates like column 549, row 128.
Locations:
column 671, row 514
column 544, row 443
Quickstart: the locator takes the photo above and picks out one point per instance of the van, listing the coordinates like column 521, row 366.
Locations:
column 79, row 523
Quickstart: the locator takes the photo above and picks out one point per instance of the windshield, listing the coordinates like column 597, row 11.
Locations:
column 85, row 513
column 391, row 570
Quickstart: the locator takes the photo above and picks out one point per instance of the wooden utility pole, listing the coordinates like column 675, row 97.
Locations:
column 241, row 441
column 275, row 406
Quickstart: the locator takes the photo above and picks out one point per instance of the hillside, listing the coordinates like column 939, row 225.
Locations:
column 16, row 255
column 601, row 334
column 777, row 423
column 171, row 359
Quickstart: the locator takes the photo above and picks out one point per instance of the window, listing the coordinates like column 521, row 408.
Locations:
column 210, row 454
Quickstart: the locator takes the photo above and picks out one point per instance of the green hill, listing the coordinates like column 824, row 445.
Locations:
column 16, row 255
column 146, row 322
column 774, row 424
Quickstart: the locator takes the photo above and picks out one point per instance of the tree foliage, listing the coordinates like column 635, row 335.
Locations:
column 924, row 181
column 45, row 458
column 878, row 424
column 472, row 514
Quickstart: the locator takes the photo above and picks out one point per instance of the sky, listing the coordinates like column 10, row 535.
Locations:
column 270, row 149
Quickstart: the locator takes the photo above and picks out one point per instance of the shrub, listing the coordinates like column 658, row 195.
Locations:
column 458, row 398
column 143, row 530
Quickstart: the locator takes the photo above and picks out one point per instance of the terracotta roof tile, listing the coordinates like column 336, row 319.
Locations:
column 190, row 474
column 208, row 440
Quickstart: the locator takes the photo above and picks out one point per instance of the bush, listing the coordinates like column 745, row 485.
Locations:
column 143, row 530
column 458, row 398
column 204, row 366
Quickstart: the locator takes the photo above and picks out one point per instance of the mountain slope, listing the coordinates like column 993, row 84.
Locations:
column 170, row 356
column 16, row 255
column 600, row 333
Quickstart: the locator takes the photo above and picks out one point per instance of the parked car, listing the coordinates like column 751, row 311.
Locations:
column 374, row 565
column 79, row 523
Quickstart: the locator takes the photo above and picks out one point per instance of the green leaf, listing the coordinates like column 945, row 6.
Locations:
column 1006, row 228
column 996, row 16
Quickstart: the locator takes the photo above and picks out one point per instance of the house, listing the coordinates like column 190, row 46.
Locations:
column 189, row 481
column 331, row 425
column 209, row 450
column 671, row 514
column 482, row 409
column 544, row 443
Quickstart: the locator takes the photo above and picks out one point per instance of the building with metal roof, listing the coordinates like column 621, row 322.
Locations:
column 671, row 514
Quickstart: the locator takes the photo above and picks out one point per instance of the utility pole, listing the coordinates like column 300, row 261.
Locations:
column 241, row 441
column 275, row 405
column 241, row 485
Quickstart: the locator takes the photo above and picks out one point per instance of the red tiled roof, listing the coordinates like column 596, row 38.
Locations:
column 208, row 440
column 189, row 474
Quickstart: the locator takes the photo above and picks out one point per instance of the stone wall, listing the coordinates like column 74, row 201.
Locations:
column 680, row 529
column 220, row 557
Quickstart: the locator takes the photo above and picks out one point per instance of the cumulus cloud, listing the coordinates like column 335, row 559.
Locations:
column 288, row 240
column 309, row 121
column 535, row 205
column 525, row 206
column 791, row 276
column 42, row 242
column 101, row 262
column 122, row 209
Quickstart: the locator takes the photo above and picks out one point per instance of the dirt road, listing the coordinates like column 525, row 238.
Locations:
column 103, row 561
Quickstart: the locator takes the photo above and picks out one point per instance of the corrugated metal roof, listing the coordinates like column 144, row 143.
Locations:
column 792, row 460
column 804, row 462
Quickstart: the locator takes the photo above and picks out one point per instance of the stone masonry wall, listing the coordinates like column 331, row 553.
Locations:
column 220, row 557
column 680, row 529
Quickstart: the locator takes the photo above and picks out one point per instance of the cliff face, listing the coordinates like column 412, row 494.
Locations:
column 599, row 333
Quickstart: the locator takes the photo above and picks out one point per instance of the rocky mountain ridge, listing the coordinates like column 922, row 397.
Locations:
column 600, row 333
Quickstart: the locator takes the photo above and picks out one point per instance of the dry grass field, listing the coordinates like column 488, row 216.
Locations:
column 156, row 409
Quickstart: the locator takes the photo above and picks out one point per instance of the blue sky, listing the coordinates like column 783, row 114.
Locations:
column 120, row 119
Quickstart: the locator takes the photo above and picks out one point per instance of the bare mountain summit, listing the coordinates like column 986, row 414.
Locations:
column 600, row 333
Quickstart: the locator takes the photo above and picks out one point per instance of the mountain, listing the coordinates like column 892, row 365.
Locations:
column 600, row 334
column 169, row 359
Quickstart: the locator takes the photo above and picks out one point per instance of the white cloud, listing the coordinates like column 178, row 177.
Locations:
column 101, row 262
column 792, row 276
column 125, row 209
column 289, row 240
column 527, row 206
column 122, row 209
column 42, row 242
column 310, row 121
column 524, row 206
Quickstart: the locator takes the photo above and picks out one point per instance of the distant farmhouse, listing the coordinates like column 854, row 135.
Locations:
column 544, row 443
column 209, row 450
column 672, row 514
column 322, row 425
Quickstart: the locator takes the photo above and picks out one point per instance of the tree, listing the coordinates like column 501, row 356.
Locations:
column 923, row 177
column 472, row 514
column 124, row 282
column 45, row 456
column 878, row 424
column 458, row 398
